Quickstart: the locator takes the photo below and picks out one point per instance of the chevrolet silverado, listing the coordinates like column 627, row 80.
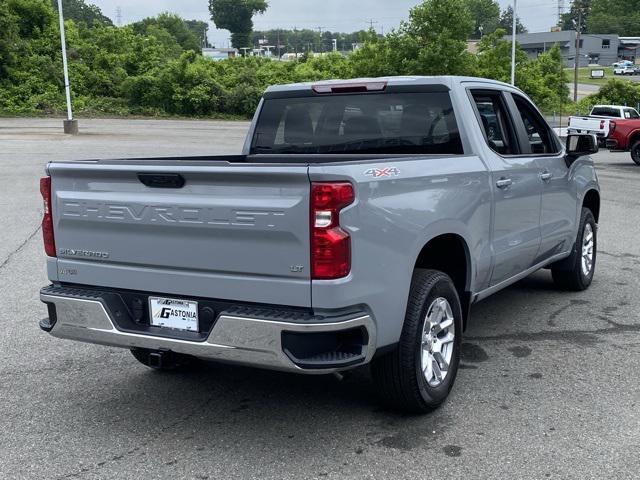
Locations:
column 358, row 226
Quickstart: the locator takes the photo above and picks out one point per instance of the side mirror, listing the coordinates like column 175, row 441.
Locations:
column 579, row 146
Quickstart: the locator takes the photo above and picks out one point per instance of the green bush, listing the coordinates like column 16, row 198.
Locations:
column 618, row 92
column 151, row 67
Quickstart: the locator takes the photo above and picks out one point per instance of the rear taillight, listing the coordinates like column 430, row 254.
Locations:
column 612, row 126
column 330, row 244
column 47, row 219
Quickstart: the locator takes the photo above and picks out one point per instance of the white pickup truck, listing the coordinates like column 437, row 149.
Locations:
column 598, row 122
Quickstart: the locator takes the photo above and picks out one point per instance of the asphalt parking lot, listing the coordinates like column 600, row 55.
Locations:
column 549, row 386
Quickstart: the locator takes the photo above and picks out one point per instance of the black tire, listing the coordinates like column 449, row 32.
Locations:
column 569, row 274
column 170, row 360
column 398, row 375
column 635, row 152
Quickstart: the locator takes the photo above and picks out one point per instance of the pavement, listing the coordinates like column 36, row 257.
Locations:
column 584, row 90
column 548, row 386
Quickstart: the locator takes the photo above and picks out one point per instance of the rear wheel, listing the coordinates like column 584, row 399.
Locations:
column 635, row 152
column 576, row 272
column 419, row 374
column 162, row 360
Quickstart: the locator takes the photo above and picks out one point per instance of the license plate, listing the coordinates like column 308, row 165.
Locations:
column 174, row 313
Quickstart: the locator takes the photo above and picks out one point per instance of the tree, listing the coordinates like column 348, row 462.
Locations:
column 486, row 14
column 434, row 40
column 173, row 25
column 79, row 11
column 200, row 29
column 372, row 59
column 545, row 80
column 494, row 57
column 506, row 22
column 615, row 16
column 237, row 17
column 569, row 20
column 9, row 39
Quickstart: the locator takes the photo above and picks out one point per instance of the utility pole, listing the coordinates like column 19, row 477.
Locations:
column 576, row 66
column 278, row 44
column 321, row 42
column 371, row 23
column 560, row 11
column 513, row 44
column 70, row 125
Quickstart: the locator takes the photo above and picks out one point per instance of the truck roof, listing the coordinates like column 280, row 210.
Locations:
column 396, row 81
column 611, row 106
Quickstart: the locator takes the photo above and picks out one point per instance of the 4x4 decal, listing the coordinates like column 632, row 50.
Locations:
column 383, row 172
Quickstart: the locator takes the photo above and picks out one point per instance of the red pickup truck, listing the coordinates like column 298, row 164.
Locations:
column 624, row 135
column 617, row 127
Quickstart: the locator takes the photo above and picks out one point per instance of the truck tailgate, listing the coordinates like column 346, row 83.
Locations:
column 236, row 232
column 594, row 125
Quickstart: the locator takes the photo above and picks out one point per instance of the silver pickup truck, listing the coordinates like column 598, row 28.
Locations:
column 359, row 225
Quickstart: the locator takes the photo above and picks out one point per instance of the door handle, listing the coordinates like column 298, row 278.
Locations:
column 162, row 180
column 504, row 183
column 546, row 176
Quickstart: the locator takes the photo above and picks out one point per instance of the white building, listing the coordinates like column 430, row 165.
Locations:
column 219, row 53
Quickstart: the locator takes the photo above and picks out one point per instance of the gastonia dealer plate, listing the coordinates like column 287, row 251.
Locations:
column 173, row 313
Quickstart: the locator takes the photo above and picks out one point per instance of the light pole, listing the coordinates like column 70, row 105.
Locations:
column 70, row 125
column 513, row 44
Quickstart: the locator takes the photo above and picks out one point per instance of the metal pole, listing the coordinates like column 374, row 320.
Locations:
column 513, row 44
column 576, row 65
column 67, row 86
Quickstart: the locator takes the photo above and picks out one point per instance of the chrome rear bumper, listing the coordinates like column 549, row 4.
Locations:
column 235, row 339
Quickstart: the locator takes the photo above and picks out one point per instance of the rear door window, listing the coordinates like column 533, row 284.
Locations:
column 630, row 113
column 495, row 121
column 402, row 123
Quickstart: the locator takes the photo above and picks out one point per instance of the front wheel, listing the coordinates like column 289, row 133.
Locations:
column 635, row 152
column 419, row 374
column 576, row 272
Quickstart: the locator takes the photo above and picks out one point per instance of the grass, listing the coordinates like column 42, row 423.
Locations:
column 584, row 75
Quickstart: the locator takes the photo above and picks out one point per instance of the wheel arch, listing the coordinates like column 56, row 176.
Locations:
column 591, row 201
column 634, row 136
column 449, row 253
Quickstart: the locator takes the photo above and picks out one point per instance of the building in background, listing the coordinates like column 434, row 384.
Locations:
column 594, row 49
column 628, row 49
column 219, row 53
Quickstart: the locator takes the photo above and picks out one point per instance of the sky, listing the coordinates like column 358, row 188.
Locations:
column 334, row 15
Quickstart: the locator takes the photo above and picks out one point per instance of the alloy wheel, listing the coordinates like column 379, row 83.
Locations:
column 438, row 334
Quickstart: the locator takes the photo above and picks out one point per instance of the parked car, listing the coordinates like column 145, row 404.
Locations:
column 624, row 70
column 359, row 225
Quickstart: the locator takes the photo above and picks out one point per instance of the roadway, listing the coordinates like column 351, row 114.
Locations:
column 548, row 386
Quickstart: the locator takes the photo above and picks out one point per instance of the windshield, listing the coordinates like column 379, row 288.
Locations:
column 420, row 123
